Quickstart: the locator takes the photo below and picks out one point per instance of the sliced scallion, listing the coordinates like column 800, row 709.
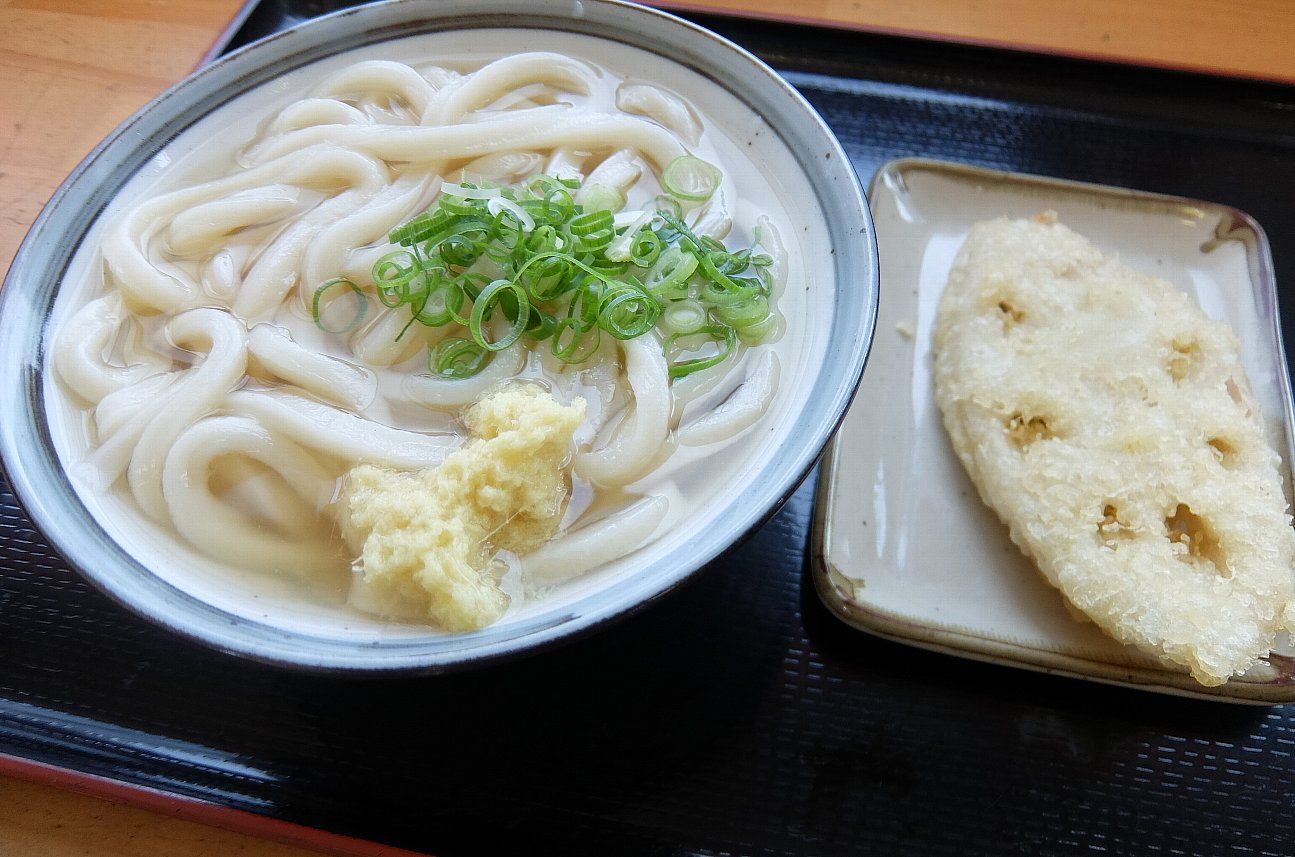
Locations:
column 509, row 297
column 690, row 178
column 743, row 314
column 553, row 260
column 457, row 358
column 754, row 334
column 318, row 310
column 668, row 205
column 725, row 337
column 499, row 205
column 683, row 317
column 601, row 197
column 628, row 312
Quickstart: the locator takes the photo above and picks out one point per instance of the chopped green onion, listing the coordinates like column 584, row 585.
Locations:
column 539, row 185
column 566, row 348
column 687, row 367
column 584, row 308
column 457, row 358
column 668, row 277
column 541, row 325
column 441, row 304
column 547, row 239
column 556, row 261
column 601, row 197
column 668, row 205
column 559, row 204
column 719, row 294
column 517, row 311
column 501, row 207
column 645, row 249
column 741, row 315
column 468, row 190
column 547, row 276
column 754, row 334
column 461, row 250
column 608, row 268
column 395, row 269
column 362, row 306
column 690, row 178
column 628, row 312
column 592, row 231
column 590, row 223
column 683, row 317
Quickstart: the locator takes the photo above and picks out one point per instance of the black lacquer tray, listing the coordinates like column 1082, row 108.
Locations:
column 735, row 716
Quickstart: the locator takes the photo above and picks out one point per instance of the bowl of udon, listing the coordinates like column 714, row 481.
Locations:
column 429, row 333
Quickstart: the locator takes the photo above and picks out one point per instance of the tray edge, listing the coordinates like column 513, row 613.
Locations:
column 192, row 809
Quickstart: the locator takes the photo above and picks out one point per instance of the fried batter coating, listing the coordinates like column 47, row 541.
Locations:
column 1108, row 422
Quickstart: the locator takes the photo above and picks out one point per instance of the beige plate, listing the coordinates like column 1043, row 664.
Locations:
column 904, row 548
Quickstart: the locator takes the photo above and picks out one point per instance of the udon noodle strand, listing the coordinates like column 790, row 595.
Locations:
column 119, row 407
column 739, row 411
column 655, row 103
column 220, row 276
column 204, row 389
column 127, row 247
column 202, row 226
column 316, row 111
column 328, row 253
column 329, row 378
column 380, row 78
column 595, row 544
column 278, row 269
column 565, row 163
column 222, row 531
column 504, row 75
column 78, row 355
column 639, row 437
column 537, row 128
column 340, row 433
column 619, row 171
column 379, row 342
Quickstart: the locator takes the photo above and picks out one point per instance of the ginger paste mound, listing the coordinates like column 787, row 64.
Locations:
column 1109, row 423
column 425, row 539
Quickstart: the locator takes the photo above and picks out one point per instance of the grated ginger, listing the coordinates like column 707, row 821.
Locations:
column 425, row 539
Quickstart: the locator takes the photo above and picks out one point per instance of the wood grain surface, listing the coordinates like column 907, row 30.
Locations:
column 71, row 70
column 1242, row 38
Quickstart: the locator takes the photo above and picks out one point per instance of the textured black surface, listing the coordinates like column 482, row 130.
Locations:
column 735, row 716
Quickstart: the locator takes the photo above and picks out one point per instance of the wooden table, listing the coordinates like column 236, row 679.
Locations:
column 71, row 70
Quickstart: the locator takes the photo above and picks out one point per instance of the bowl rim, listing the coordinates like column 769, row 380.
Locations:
column 46, row 495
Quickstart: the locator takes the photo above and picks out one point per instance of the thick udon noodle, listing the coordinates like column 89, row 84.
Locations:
column 219, row 409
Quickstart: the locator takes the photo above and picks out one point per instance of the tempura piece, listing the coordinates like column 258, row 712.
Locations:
column 1108, row 422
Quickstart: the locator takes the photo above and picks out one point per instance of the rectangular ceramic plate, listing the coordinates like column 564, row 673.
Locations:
column 905, row 548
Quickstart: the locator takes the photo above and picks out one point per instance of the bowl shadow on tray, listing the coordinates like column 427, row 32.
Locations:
column 635, row 708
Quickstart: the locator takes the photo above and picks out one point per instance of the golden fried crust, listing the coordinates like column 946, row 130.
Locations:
column 1108, row 422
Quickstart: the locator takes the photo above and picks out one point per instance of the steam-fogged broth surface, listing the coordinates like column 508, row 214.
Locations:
column 198, row 352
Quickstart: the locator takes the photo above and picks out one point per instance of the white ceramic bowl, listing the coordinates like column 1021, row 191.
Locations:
column 843, row 316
